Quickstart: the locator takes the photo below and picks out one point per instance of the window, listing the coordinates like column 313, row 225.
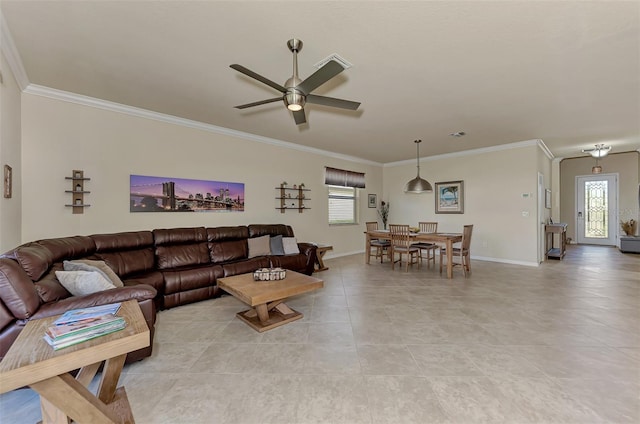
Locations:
column 342, row 205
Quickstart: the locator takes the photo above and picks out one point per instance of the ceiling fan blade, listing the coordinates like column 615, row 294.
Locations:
column 261, row 102
column 333, row 102
column 258, row 77
column 319, row 77
column 299, row 117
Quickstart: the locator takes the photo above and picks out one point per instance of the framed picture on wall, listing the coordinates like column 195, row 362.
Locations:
column 450, row 197
column 7, row 181
column 373, row 201
column 547, row 199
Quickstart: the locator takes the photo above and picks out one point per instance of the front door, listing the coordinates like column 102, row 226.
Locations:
column 596, row 209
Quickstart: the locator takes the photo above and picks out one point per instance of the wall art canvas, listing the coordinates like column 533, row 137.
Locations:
column 450, row 197
column 8, row 181
column 169, row 194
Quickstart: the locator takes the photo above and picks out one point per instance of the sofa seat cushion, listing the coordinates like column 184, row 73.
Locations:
column 245, row 266
column 296, row 263
column 190, row 278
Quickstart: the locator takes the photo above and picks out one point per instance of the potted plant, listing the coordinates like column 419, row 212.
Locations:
column 384, row 213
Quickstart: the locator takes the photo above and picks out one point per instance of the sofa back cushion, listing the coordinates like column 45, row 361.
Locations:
column 180, row 247
column 37, row 257
column 126, row 253
column 17, row 291
column 227, row 244
column 257, row 230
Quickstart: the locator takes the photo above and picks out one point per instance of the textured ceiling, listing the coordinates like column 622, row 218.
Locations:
column 567, row 73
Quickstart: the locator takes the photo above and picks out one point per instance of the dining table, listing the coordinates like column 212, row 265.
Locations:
column 446, row 238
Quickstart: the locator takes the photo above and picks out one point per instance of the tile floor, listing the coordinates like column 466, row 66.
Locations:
column 559, row 343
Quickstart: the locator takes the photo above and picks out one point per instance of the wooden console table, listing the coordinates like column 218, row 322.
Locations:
column 550, row 230
column 320, row 252
column 32, row 362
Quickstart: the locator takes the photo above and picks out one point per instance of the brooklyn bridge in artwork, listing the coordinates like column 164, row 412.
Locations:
column 162, row 194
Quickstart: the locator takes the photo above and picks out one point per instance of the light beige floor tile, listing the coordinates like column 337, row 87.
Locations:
column 387, row 360
column 335, row 399
column 614, row 401
column 403, row 399
column 473, row 400
column 443, row 360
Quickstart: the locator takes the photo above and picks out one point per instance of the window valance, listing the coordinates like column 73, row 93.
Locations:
column 344, row 178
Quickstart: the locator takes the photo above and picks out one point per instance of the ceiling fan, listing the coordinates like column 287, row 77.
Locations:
column 296, row 92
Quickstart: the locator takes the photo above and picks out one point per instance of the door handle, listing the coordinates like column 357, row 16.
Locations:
column 579, row 214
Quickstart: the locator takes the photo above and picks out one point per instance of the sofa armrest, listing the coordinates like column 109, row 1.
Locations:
column 138, row 292
column 309, row 250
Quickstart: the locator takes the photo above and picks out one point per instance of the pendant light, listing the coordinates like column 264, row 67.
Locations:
column 418, row 185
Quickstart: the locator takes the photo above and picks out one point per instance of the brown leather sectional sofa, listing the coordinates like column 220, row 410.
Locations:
column 160, row 269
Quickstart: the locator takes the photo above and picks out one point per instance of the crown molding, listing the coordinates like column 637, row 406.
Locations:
column 8, row 48
column 545, row 149
column 500, row 147
column 80, row 99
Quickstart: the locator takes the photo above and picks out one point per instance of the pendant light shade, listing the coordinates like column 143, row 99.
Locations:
column 418, row 185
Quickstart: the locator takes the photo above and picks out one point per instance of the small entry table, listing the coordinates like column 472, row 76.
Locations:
column 32, row 362
column 550, row 230
column 320, row 252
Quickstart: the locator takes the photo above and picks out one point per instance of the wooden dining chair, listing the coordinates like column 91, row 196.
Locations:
column 401, row 244
column 462, row 252
column 382, row 247
column 426, row 247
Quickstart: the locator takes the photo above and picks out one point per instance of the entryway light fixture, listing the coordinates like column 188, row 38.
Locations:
column 599, row 151
column 418, row 185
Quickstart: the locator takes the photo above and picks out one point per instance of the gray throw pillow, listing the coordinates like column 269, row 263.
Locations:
column 94, row 266
column 276, row 245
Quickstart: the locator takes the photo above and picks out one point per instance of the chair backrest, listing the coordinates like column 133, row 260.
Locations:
column 372, row 226
column 400, row 236
column 428, row 227
column 466, row 237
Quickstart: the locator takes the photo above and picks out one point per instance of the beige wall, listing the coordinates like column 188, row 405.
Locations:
column 499, row 186
column 109, row 146
column 10, row 209
column 626, row 165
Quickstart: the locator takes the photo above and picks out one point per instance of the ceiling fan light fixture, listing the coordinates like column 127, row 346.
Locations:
column 418, row 185
column 294, row 100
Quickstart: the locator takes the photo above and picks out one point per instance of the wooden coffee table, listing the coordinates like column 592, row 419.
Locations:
column 32, row 362
column 266, row 297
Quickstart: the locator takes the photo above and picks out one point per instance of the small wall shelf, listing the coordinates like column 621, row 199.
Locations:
column 292, row 198
column 77, row 190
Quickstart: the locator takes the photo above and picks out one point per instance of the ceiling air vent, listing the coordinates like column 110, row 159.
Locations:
column 337, row 58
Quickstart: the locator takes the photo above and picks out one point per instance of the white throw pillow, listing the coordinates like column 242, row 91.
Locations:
column 290, row 245
column 97, row 266
column 80, row 283
column 259, row 246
